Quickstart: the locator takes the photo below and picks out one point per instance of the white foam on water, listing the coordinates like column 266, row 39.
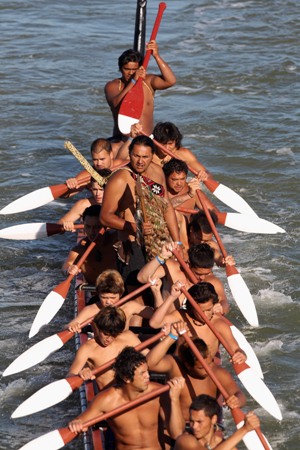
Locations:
column 271, row 297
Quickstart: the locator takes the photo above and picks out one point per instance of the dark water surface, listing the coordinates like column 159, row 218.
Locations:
column 237, row 103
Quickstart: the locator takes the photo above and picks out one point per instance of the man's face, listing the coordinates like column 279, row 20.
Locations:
column 200, row 424
column 102, row 159
column 129, row 69
column 171, row 145
column 140, row 158
column 91, row 227
column 141, row 378
column 201, row 273
column 108, row 299
column 207, row 309
column 104, row 339
column 197, row 370
column 176, row 182
column 97, row 193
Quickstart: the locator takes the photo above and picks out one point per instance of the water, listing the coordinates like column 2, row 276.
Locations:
column 237, row 103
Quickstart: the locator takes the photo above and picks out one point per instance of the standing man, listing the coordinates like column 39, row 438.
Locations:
column 122, row 206
column 140, row 427
column 130, row 66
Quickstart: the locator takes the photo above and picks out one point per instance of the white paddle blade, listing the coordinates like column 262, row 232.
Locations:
column 243, row 298
column 34, row 355
column 48, row 309
column 44, row 398
column 29, row 201
column 25, row 231
column 233, row 200
column 125, row 122
column 251, row 360
column 249, row 223
column 260, row 392
column 49, row 441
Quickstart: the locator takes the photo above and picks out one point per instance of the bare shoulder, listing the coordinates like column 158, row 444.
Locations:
column 187, row 442
column 112, row 84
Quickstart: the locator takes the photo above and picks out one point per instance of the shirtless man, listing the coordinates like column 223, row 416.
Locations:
column 203, row 435
column 140, row 427
column 130, row 66
column 201, row 262
column 187, row 365
column 101, row 257
column 78, row 208
column 119, row 205
column 102, row 158
column 205, row 296
column 110, row 338
column 110, row 288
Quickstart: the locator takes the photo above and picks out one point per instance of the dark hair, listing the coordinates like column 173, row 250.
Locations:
column 110, row 320
column 201, row 256
column 175, row 165
column 110, row 281
column 199, row 222
column 166, row 131
column 187, row 356
column 91, row 211
column 126, row 363
column 130, row 56
column 100, row 144
column 201, row 292
column 208, row 404
column 142, row 140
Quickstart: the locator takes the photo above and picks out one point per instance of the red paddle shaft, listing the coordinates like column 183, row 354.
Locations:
column 237, row 413
column 161, row 7
column 68, row 436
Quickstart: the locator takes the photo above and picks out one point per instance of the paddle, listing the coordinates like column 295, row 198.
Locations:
column 59, row 390
column 34, row 230
column 223, row 193
column 57, row 439
column 238, row 287
column 247, row 223
column 39, row 197
column 237, row 413
column 249, row 378
column 251, row 360
column 140, row 26
column 41, row 350
column 54, row 301
column 132, row 105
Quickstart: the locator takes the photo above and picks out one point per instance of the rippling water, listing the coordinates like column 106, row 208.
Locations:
column 237, row 103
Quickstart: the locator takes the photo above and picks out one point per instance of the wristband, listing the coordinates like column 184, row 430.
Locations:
column 172, row 336
column 178, row 243
column 133, row 80
column 130, row 139
column 161, row 261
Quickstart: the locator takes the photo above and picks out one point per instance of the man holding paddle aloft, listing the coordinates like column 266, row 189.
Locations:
column 130, row 66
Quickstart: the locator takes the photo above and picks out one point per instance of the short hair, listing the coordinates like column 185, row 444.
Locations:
column 130, row 56
column 201, row 256
column 110, row 320
column 91, row 211
column 175, row 165
column 142, row 140
column 126, row 363
column 208, row 404
column 100, row 144
column 164, row 132
column 110, row 281
column 201, row 292
column 199, row 222
column 187, row 356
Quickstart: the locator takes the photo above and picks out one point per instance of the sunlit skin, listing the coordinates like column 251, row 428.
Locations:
column 102, row 160
column 202, row 425
column 201, row 273
column 140, row 158
column 176, row 182
column 128, row 71
column 91, row 227
column 103, row 339
column 108, row 299
column 207, row 309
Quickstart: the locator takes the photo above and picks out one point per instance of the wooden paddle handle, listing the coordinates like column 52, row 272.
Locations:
column 161, row 7
column 100, row 180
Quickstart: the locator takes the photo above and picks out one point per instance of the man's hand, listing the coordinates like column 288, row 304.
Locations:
column 176, row 386
column 76, row 426
column 251, row 421
column 176, row 289
column 74, row 326
column 238, row 357
column 86, row 374
column 72, row 183
column 152, row 45
column 233, row 402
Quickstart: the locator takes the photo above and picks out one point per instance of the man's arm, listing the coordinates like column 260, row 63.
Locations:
column 80, row 360
column 167, row 78
column 239, row 355
column 74, row 214
column 68, row 266
column 112, row 93
column 174, row 417
column 237, row 398
column 85, row 313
